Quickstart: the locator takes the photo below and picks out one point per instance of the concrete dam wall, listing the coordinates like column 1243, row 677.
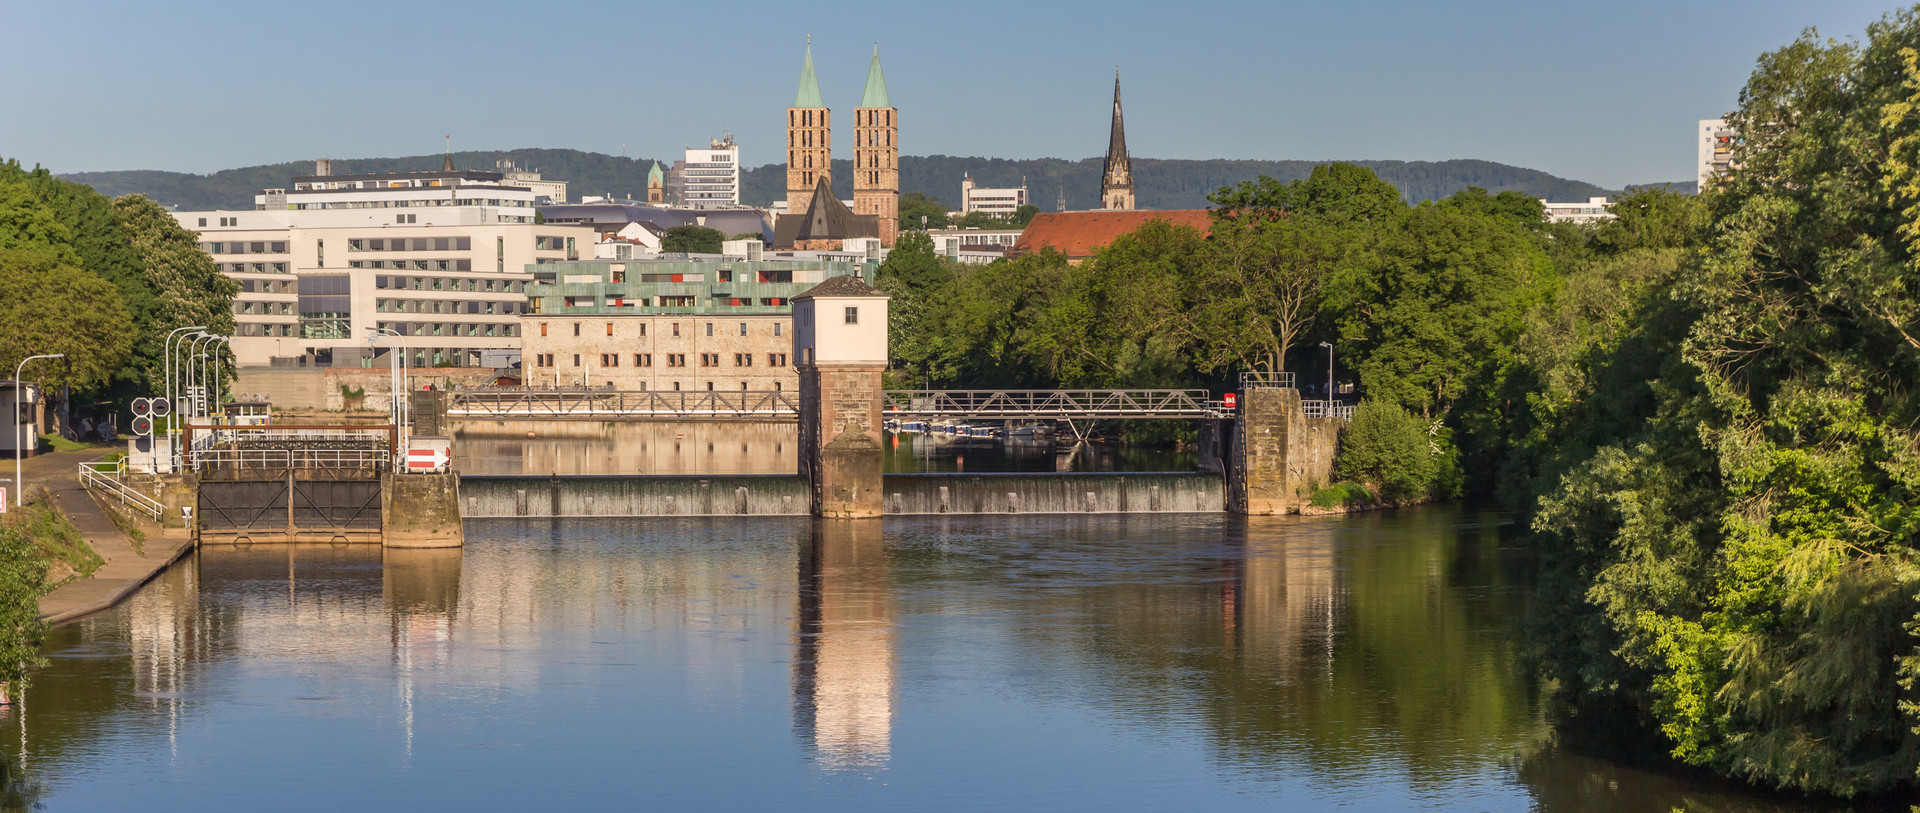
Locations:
column 485, row 497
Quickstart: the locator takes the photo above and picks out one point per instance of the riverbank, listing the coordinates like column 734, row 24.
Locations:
column 127, row 565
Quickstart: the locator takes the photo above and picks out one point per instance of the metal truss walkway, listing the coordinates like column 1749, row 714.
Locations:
column 1062, row 405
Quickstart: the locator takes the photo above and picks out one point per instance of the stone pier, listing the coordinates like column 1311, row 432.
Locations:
column 1275, row 456
column 840, row 344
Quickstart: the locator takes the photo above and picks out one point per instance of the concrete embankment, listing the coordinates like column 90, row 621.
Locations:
column 484, row 497
column 125, row 569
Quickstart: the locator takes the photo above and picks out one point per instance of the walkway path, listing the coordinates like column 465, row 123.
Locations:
column 125, row 569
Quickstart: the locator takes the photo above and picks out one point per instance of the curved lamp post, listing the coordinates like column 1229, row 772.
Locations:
column 19, row 485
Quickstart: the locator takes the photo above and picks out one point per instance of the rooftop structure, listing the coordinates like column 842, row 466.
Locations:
column 1594, row 210
column 1003, row 201
column 1079, row 234
column 1116, row 176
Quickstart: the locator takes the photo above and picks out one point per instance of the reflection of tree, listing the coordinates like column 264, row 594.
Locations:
column 1340, row 644
column 843, row 669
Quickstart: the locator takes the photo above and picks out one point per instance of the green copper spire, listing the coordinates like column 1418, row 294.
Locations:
column 876, row 95
column 654, row 174
column 809, row 95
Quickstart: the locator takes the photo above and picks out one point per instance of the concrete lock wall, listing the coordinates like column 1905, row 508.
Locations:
column 1069, row 493
column 634, row 496
column 840, row 438
column 421, row 511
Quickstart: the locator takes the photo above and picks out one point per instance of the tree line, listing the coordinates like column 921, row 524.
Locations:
column 1706, row 412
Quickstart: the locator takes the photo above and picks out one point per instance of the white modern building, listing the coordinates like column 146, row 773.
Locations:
column 1594, row 210
column 544, row 191
column 1715, row 147
column 990, row 201
column 710, row 177
column 439, row 257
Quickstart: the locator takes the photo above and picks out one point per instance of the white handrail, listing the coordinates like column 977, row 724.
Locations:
column 108, row 480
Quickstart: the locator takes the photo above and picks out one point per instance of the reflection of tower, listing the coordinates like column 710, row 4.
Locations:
column 421, row 588
column 1289, row 600
column 809, row 140
column 843, row 671
column 876, row 154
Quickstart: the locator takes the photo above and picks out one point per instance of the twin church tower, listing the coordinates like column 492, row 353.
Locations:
column 876, row 158
column 816, row 219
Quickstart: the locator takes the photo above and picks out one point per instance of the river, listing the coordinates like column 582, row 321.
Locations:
column 1116, row 662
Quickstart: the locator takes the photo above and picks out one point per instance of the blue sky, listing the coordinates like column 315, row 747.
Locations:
column 1602, row 92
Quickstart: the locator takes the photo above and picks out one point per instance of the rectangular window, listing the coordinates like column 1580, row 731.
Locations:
column 709, row 328
column 576, row 359
column 609, row 328
column 853, row 316
column 743, row 328
column 643, row 329
column 576, row 328
column 676, row 328
column 642, row 360
column 543, row 328
column 776, row 328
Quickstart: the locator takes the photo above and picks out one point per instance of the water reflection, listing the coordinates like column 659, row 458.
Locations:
column 1121, row 662
column 843, row 666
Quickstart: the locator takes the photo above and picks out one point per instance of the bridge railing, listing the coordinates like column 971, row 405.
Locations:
column 106, row 478
column 1284, row 381
column 1327, row 409
column 592, row 403
column 1049, row 404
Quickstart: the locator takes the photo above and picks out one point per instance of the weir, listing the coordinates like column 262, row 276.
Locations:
column 513, row 497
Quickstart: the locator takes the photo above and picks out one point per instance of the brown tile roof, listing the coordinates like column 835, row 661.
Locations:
column 826, row 219
column 1079, row 234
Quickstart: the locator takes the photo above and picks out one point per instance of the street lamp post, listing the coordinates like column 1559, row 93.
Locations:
column 224, row 340
column 1329, row 376
column 166, row 360
column 396, row 404
column 180, row 403
column 19, row 407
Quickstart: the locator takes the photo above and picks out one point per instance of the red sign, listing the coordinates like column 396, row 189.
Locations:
column 1230, row 400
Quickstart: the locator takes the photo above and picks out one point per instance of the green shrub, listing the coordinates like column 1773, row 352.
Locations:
column 1346, row 494
column 23, row 579
column 1389, row 447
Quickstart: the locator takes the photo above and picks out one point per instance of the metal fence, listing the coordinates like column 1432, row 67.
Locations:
column 573, row 402
column 1327, row 409
column 1249, row 381
column 106, row 477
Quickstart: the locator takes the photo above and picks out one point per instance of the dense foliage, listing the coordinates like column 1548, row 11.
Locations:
column 100, row 280
column 692, row 240
column 1389, row 447
column 1724, row 432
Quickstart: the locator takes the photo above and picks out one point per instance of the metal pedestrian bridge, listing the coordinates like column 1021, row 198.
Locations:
column 580, row 403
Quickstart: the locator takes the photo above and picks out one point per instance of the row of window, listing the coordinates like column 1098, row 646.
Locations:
column 261, row 329
column 671, row 359
column 488, row 286
column 267, row 286
column 444, row 306
column 449, row 329
column 263, row 308
column 412, row 244
column 401, row 204
column 461, row 264
column 777, row 326
column 252, row 268
column 244, row 247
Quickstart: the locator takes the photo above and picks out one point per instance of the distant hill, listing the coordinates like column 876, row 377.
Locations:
column 1159, row 184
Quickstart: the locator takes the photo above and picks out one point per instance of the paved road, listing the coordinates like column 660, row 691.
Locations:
column 125, row 570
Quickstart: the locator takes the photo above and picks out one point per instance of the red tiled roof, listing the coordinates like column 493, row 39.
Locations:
column 1079, row 234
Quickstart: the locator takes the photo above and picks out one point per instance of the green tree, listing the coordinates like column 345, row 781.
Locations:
column 915, row 205
column 188, row 288
column 23, row 579
column 1738, row 565
column 1390, row 449
column 692, row 239
column 54, row 307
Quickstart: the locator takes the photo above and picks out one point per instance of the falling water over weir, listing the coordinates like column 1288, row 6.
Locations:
column 508, row 496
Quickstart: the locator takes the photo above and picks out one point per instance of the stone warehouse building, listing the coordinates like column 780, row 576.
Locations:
column 703, row 325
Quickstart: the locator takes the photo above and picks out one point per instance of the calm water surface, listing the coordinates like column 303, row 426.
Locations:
column 968, row 663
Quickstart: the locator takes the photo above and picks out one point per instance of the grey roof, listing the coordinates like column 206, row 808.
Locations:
column 826, row 218
column 842, row 287
column 614, row 216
